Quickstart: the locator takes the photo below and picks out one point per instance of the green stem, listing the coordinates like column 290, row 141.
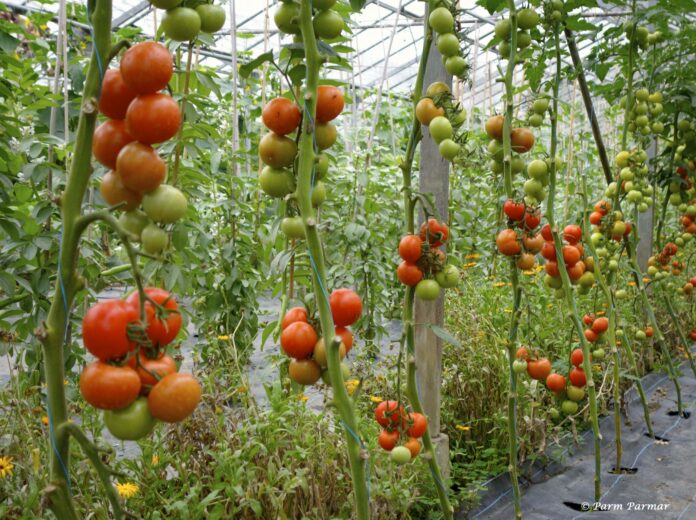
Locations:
column 407, row 312
column 567, row 288
column 665, row 201
column 184, row 101
column 52, row 336
column 306, row 160
column 516, row 291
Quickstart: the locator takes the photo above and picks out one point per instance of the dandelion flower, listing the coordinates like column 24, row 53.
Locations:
column 44, row 420
column 155, row 459
column 463, row 428
column 376, row 399
column 223, row 338
column 6, row 466
column 127, row 489
column 302, row 397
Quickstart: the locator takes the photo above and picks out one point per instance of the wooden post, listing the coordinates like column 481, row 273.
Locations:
column 434, row 172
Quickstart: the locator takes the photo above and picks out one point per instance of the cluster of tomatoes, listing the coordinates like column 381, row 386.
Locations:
column 441, row 21
column 438, row 111
column 527, row 218
column 632, row 180
column 594, row 333
column 139, row 116
column 663, row 264
column 328, row 24
column 185, row 19
column 580, row 268
column 277, row 151
column 396, row 424
column 527, row 20
column 645, row 106
column 554, row 12
column 640, row 36
column 300, row 341
column 424, row 265
column 537, row 111
column 522, row 140
column 133, row 379
column 688, row 287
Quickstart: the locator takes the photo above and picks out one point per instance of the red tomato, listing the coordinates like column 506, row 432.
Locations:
column 115, row 95
column 293, row 315
column 109, row 387
column 649, row 332
column 388, row 439
column 418, row 424
column 105, row 329
column 151, row 371
column 532, row 219
column 539, row 369
column 414, row 446
column 329, row 103
column 281, row 115
column 410, row 248
column 507, row 243
column 140, row 167
column 346, row 337
column 595, row 218
column 552, row 269
column 572, row 233
column 109, row 138
column 602, row 207
column 153, row 118
column 389, row 413
column 409, row 274
column 514, row 210
column 591, row 335
column 346, row 307
column 114, row 192
column 160, row 329
column 522, row 353
column 588, row 319
column 571, row 255
column 522, row 139
column 437, row 232
column 548, row 251
column 298, row 339
column 577, row 377
column 555, row 382
column 576, row 271
column 576, row 357
column 147, row 67
column 600, row 325
column 546, row 233
column 174, row 398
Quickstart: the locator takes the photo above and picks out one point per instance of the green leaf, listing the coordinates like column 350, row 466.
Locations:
column 576, row 23
column 445, row 336
column 357, row 5
column 22, row 192
column 246, row 69
column 8, row 43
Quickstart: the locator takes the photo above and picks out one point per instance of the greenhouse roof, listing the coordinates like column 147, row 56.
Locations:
column 386, row 36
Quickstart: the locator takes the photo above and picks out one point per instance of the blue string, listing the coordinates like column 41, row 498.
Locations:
column 367, row 460
column 97, row 54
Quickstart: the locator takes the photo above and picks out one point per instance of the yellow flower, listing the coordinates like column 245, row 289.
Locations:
column 302, row 397
column 65, row 382
column 631, row 283
column 472, row 256
column 44, row 420
column 352, row 385
column 223, row 338
column 507, row 310
column 376, row 399
column 6, row 466
column 127, row 489
column 462, row 428
column 539, row 267
column 242, row 389
column 529, row 273
column 499, row 284
column 550, row 306
column 155, row 460
column 597, row 368
column 645, row 280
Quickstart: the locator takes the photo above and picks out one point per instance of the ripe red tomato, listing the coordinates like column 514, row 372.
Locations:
column 576, row 357
column 522, row 139
column 692, row 334
column 174, row 398
column 388, row 439
column 600, row 325
column 507, row 243
column 576, row 271
column 649, row 332
column 552, row 269
column 418, row 424
column 546, row 233
column 670, row 249
column 525, row 261
column 298, row 339
column 572, row 233
column 533, row 243
column 539, row 369
column 532, row 219
column 161, row 366
column 588, row 319
column 555, row 382
column 389, row 413
column 109, row 387
column 346, row 306
column 414, row 446
column 595, row 218
column 147, row 67
column 115, row 95
column 104, row 329
column 160, row 329
column 514, row 210
column 409, row 274
column 114, row 192
column 294, row 314
column 571, row 255
column 410, row 248
column 494, row 127
column 591, row 335
column 108, row 140
column 577, row 377
column 329, row 103
column 522, row 353
column 304, row 371
column 346, row 337
column 438, row 232
column 548, row 251
column 140, row 167
column 602, row 207
column 153, row 118
column 281, row 115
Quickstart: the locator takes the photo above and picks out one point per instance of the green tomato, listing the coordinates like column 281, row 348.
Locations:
column 287, row 18
column 456, row 65
column 655, row 97
column 325, row 135
column 575, row 393
column 642, row 94
column 641, row 336
column 540, row 106
column 328, row 24
column 134, row 222
column 496, row 167
column 440, row 129
column 401, row 455
column 656, row 109
column 536, row 120
column 502, row 29
column 448, row 277
column 626, row 174
column 293, row 227
column 276, row 182
column 318, row 194
column 428, row 290
column 323, row 4
column 326, row 376
column 165, row 4
column 519, row 366
column 154, row 239
column 132, row 422
column 504, row 50
column 449, row 149
column 554, row 414
column 553, row 283
column 527, row 19
column 533, row 188
column 524, row 39
column 448, row 44
column 517, row 164
column 598, row 354
column 181, row 24
column 569, row 407
column 321, row 166
column 537, row 169
column 441, row 20
column 495, row 149
column 212, row 17
column 165, row 204
column 587, row 279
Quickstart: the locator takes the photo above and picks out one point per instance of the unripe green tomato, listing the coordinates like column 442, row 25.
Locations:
column 527, row 19
column 154, row 239
column 323, row 4
column 587, row 279
column 276, row 182
column 504, row 50
column 679, row 241
column 641, row 109
column 657, row 127
column 165, row 204
column 287, row 18
column 540, row 106
column 401, row 455
column 328, row 24
column 556, row 16
column 628, row 186
column 181, row 24
column 448, row 277
column 524, row 39
column 691, row 210
column 536, row 120
column 569, row 407
column 441, row 20
column 619, row 333
column 496, row 167
column 634, row 196
column 293, row 227
column 613, row 265
column 449, row 149
column 132, row 422
column 554, row 414
column 321, row 166
column 456, row 65
column 642, row 94
column 656, row 109
column 519, row 366
column 642, row 207
column 687, row 237
column 553, row 283
column 428, row 290
column 640, row 335
column 582, row 289
column 675, row 199
column 318, row 194
column 212, row 17
column 537, row 169
column 502, row 29
column 326, row 376
column 622, row 159
column 602, row 252
column 448, row 44
column 597, row 239
column 619, row 228
column 440, row 129
column 626, row 174
column 642, row 121
column 575, row 393
column 165, row 4
column 134, row 222
column 655, row 97
column 533, row 188
column 516, row 164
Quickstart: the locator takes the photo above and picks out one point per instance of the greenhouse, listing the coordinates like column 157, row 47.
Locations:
column 347, row 259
